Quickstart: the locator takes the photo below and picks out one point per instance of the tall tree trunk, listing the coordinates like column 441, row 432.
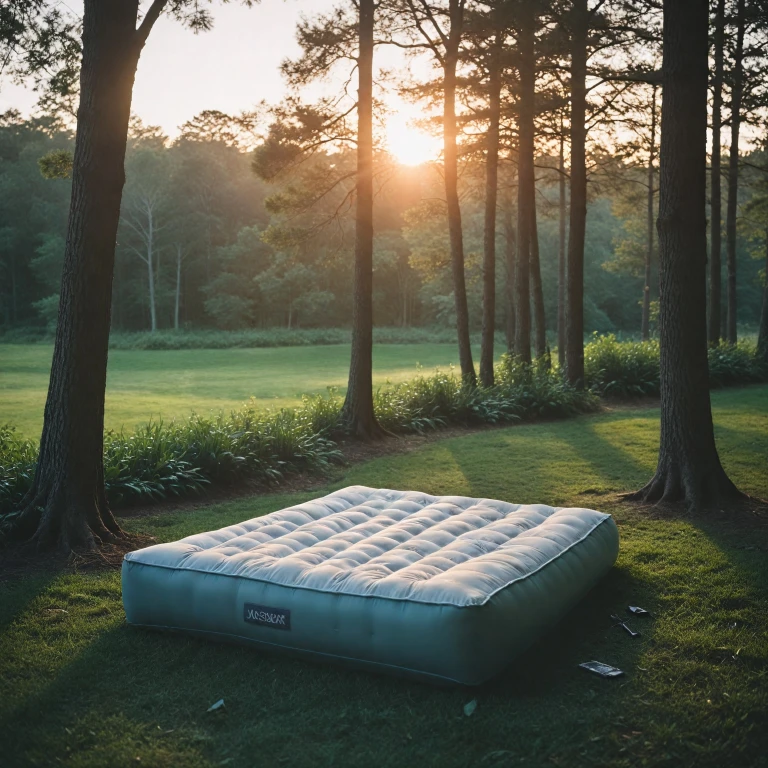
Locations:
column 177, row 298
column 646, row 320
column 733, row 170
column 67, row 504
column 537, row 291
column 689, row 468
column 574, row 295
column 561, row 273
column 716, row 205
column 451, row 173
column 762, row 337
column 489, row 235
column 526, row 183
column 14, row 291
column 358, row 405
column 151, row 268
column 510, row 253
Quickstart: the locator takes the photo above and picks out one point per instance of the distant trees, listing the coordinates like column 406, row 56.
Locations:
column 519, row 86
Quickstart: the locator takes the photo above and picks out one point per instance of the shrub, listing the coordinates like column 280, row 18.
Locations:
column 183, row 457
column 731, row 364
column 614, row 368
column 17, row 467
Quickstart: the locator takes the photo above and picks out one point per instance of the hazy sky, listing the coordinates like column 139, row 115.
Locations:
column 233, row 67
column 230, row 68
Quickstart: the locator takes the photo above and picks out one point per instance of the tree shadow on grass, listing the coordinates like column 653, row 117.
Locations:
column 135, row 693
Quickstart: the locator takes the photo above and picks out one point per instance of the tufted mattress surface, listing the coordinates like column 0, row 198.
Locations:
column 445, row 588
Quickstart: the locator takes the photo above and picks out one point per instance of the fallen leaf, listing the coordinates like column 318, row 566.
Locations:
column 218, row 705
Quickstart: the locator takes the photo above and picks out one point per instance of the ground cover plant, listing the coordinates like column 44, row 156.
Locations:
column 171, row 384
column 81, row 687
column 179, row 458
column 251, row 338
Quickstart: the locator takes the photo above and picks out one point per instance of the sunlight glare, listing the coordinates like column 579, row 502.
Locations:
column 409, row 145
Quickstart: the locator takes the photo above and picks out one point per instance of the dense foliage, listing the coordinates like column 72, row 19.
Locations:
column 616, row 368
column 223, row 255
column 183, row 457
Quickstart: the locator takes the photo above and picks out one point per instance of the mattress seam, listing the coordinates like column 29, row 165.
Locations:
column 485, row 600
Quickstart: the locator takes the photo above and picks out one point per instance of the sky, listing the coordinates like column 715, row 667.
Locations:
column 231, row 68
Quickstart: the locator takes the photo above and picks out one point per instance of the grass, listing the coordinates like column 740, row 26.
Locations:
column 80, row 687
column 172, row 384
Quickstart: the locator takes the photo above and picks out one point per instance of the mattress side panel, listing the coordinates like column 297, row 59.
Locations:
column 516, row 616
column 418, row 639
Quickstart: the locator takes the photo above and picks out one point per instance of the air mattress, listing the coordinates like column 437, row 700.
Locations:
column 444, row 588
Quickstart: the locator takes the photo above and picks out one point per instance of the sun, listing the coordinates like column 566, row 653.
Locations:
column 409, row 145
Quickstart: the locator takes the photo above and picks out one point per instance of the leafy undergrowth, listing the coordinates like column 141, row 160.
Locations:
column 80, row 687
column 182, row 457
column 250, row 338
column 614, row 368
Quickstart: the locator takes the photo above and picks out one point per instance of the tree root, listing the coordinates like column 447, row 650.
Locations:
column 50, row 520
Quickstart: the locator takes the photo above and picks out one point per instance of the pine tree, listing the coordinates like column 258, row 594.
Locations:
column 67, row 505
column 689, row 468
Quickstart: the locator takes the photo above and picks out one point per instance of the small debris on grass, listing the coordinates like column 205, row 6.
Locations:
column 604, row 670
column 619, row 623
column 217, row 705
column 636, row 610
column 470, row 707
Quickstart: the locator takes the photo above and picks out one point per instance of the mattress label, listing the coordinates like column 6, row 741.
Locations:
column 267, row 616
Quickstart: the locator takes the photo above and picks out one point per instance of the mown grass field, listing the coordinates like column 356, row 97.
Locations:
column 172, row 384
column 79, row 687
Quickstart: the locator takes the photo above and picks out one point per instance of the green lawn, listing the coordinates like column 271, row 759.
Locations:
column 169, row 384
column 83, row 689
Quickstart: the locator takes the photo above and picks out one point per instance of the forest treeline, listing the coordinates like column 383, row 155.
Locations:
column 198, row 246
column 621, row 106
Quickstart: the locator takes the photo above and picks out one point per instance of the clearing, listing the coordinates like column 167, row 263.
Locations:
column 80, row 687
column 172, row 384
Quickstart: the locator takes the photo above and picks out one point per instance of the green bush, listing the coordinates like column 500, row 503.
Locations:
column 179, row 458
column 615, row 368
column 731, row 364
column 248, row 339
column 17, row 467
column 183, row 457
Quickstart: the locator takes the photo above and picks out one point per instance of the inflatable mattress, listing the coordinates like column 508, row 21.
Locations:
column 442, row 588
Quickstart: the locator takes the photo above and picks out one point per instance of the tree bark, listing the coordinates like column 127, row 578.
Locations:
column 574, row 295
column 537, row 291
column 561, row 273
column 451, row 174
column 689, row 468
column 762, row 336
column 716, row 210
column 151, row 267
column 177, row 298
column 489, row 235
column 646, row 319
column 358, row 412
column 733, row 171
column 67, row 504
column 526, row 183
column 510, row 252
